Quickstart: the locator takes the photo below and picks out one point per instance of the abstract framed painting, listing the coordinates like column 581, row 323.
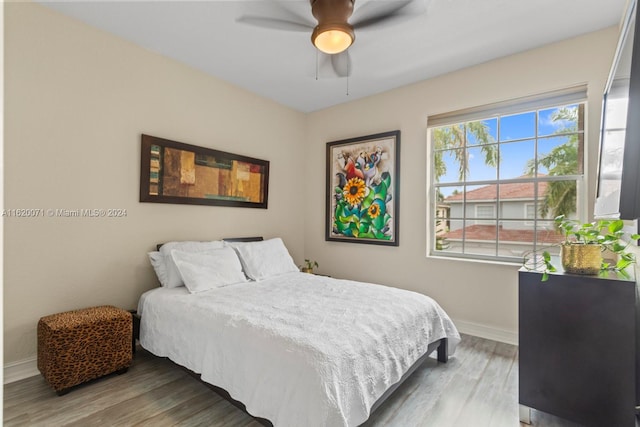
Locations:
column 174, row 172
column 363, row 200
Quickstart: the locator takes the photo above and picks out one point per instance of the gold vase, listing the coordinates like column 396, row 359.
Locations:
column 581, row 259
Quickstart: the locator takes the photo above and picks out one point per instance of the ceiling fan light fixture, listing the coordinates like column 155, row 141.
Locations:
column 332, row 39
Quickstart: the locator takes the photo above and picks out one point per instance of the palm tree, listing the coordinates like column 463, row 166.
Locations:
column 560, row 196
column 454, row 138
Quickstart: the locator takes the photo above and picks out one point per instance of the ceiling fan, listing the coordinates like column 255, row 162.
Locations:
column 332, row 34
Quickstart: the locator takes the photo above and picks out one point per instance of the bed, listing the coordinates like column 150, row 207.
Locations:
column 296, row 349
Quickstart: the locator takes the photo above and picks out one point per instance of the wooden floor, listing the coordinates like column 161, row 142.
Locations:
column 478, row 387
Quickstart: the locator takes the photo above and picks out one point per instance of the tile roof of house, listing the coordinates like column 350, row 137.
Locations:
column 488, row 232
column 510, row 191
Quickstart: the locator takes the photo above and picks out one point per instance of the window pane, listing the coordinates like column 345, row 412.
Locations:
column 449, row 246
column 446, row 240
column 514, row 238
column 516, row 158
column 480, row 195
column 442, row 219
column 485, row 214
column 480, row 237
column 558, row 198
column 451, row 205
column 518, row 200
column 558, row 155
column 450, row 194
column 485, row 211
column 482, row 161
column 447, row 137
column 530, row 211
column 477, row 247
column 548, row 236
column 456, row 225
column 560, row 119
column 518, row 126
column 482, row 132
column 448, row 166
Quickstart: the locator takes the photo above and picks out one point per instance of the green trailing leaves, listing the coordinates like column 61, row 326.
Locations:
column 608, row 234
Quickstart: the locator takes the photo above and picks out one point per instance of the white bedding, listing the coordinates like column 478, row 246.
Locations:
column 298, row 349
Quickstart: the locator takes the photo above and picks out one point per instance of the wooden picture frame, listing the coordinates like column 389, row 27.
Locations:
column 175, row 172
column 363, row 182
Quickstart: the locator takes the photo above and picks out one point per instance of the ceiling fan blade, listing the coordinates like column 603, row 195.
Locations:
column 332, row 66
column 341, row 63
column 374, row 12
column 274, row 23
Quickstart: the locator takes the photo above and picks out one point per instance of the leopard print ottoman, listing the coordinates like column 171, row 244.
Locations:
column 80, row 345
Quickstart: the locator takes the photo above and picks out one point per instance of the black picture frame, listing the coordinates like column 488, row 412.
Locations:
column 175, row 172
column 363, row 189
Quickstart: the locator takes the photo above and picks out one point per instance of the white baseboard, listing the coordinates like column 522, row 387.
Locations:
column 488, row 332
column 21, row 369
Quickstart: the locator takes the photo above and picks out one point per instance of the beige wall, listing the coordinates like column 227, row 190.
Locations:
column 76, row 102
column 474, row 294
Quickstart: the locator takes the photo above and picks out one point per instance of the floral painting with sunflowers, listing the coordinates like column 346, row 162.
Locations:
column 362, row 189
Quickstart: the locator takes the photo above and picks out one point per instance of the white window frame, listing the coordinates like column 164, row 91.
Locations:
column 569, row 96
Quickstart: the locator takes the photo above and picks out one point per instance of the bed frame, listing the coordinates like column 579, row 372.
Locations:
column 443, row 356
column 441, row 346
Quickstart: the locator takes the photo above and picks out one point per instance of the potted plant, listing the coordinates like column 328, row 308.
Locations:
column 581, row 250
column 308, row 266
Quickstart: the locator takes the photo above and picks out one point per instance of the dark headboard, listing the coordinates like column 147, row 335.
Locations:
column 230, row 239
column 244, row 239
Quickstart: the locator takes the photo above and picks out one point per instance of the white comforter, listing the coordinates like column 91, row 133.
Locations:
column 299, row 349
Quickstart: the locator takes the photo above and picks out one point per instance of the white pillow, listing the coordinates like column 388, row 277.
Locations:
column 265, row 259
column 214, row 268
column 157, row 261
column 171, row 277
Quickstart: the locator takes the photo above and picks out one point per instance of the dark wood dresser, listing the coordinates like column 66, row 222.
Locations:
column 579, row 347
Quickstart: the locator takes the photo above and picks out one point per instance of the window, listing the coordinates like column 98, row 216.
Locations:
column 499, row 174
column 485, row 211
column 530, row 213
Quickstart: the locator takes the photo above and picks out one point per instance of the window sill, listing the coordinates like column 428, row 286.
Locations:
column 482, row 261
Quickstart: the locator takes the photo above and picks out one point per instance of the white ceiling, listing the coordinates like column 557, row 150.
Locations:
column 436, row 37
